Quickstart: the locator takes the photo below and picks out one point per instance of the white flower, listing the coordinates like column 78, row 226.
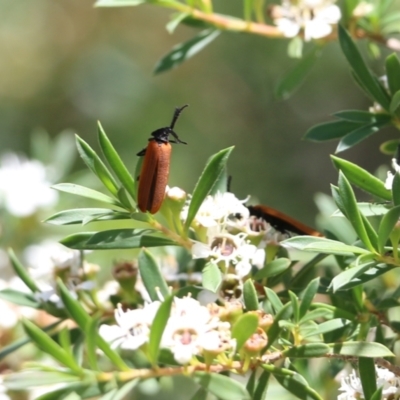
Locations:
column 24, row 187
column 363, row 8
column 191, row 329
column 217, row 209
column 314, row 17
column 133, row 326
column 390, row 176
column 352, row 387
column 229, row 249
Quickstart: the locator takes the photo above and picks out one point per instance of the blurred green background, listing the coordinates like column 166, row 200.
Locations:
column 66, row 64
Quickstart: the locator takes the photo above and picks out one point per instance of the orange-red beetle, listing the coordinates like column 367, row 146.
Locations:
column 155, row 169
column 282, row 222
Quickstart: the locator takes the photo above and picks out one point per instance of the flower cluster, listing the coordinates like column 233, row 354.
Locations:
column 390, row 176
column 24, row 187
column 314, row 17
column 352, row 388
column 192, row 330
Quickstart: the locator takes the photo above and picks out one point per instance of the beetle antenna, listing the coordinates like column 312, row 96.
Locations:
column 176, row 115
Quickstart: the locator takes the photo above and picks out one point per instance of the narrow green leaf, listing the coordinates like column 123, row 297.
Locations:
column 21, row 271
column 396, row 189
column 358, row 135
column 201, row 394
column 309, row 350
column 392, row 65
column 213, row 169
column 361, row 70
column 362, row 179
column 378, row 394
column 19, row 298
column 94, row 163
column 82, row 318
column 295, row 306
column 91, row 331
column 127, row 388
column 316, row 314
column 307, row 296
column 49, row 346
column 351, row 210
column 243, row 328
column 186, row 50
column 362, row 117
column 273, row 332
column 348, row 276
column 211, row 277
column 250, row 297
column 151, row 276
column 273, row 268
column 175, row 21
column 115, row 239
column 315, row 244
column 366, row 369
column 116, row 163
column 360, row 349
column 223, row 387
column 292, row 382
column 292, row 79
column 86, row 192
column 332, row 325
column 262, row 385
column 274, row 299
column 26, row 380
column 78, row 215
column 157, row 329
column 330, row 130
column 388, row 222
column 395, row 103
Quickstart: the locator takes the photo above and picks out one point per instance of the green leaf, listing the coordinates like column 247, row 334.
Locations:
column 118, row 3
column 389, row 147
column 157, row 329
column 20, row 298
column 362, row 179
column 250, row 297
column 49, row 346
column 115, row 239
column 309, row 350
column 21, row 271
column 176, row 19
column 396, row 189
column 273, row 268
column 213, row 169
column 307, row 296
column 392, row 64
column 358, row 135
column 351, row 211
column 78, row 215
column 395, row 103
column 211, row 277
column 273, row 332
column 360, row 349
column 366, row 368
column 82, row 318
column 127, row 388
column 201, row 394
column 321, row 245
column 292, row 382
column 332, row 325
column 362, row 117
column 29, row 379
column 295, row 306
column 186, row 50
column 262, row 384
column 316, row 314
column 151, row 276
column 330, row 130
column 388, row 222
column 361, row 70
column 223, row 387
column 292, row 79
column 274, row 299
column 86, row 192
column 116, row 163
column 243, row 328
column 93, row 161
column 91, row 330
column 359, row 275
